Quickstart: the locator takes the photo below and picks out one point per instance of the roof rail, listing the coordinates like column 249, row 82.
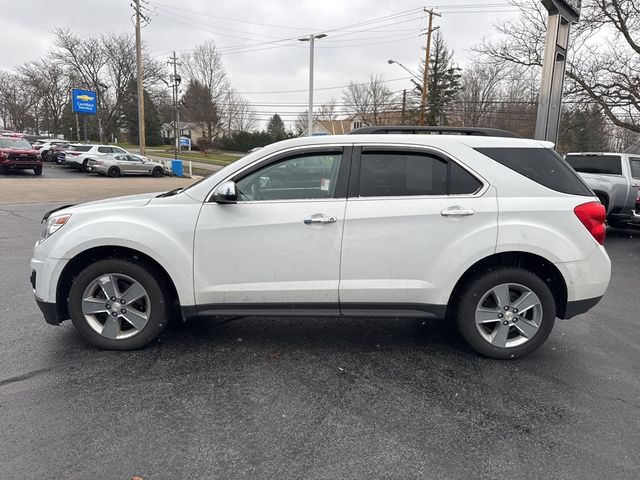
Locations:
column 483, row 132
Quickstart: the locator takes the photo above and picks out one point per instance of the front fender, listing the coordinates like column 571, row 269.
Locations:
column 145, row 229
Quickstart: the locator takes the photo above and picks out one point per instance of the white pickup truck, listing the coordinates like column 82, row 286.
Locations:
column 615, row 179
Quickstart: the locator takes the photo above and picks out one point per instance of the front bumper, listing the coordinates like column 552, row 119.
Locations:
column 21, row 166
column 49, row 311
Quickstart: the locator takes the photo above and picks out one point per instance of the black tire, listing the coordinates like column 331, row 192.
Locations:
column 4, row 170
column 474, row 290
column 83, row 167
column 113, row 172
column 157, row 172
column 160, row 308
column 37, row 171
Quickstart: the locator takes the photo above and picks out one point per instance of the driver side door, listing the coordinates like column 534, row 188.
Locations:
column 278, row 247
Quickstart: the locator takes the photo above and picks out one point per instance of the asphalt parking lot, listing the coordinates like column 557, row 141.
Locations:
column 311, row 398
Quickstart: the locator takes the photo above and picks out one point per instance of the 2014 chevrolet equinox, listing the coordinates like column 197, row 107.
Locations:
column 496, row 234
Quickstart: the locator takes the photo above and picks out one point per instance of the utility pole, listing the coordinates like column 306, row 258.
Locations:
column 176, row 104
column 141, row 132
column 425, row 79
column 404, row 105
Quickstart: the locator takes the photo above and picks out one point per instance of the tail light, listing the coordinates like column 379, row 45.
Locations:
column 592, row 215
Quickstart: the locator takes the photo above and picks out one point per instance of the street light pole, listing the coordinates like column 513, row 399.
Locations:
column 312, row 37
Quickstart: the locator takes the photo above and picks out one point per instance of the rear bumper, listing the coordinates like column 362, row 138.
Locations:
column 578, row 307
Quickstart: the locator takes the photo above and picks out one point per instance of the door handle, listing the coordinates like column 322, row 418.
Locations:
column 319, row 218
column 457, row 211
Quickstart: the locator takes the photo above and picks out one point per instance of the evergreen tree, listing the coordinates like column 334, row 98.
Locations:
column 199, row 108
column 276, row 129
column 444, row 81
column 152, row 124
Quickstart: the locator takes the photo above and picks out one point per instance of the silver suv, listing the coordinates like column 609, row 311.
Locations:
column 78, row 155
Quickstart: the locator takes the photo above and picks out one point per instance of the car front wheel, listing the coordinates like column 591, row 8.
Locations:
column 119, row 305
column 113, row 172
column 505, row 313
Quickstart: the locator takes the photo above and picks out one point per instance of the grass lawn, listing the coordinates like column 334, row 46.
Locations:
column 165, row 151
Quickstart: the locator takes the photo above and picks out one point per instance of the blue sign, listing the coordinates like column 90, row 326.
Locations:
column 185, row 142
column 84, row 101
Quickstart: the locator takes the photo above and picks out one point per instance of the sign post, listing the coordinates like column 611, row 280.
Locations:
column 562, row 13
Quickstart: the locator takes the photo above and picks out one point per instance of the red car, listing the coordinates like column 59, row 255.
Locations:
column 18, row 154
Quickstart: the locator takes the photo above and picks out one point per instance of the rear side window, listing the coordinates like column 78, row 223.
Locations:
column 105, row 150
column 600, row 164
column 542, row 165
column 80, row 148
column 396, row 174
column 634, row 162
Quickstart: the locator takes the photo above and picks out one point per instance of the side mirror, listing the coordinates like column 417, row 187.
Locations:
column 226, row 193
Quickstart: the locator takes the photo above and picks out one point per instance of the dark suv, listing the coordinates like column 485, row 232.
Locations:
column 18, row 154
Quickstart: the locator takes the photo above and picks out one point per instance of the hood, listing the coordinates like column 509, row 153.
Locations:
column 139, row 200
column 18, row 151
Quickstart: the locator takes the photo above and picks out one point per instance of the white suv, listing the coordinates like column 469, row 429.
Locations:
column 496, row 234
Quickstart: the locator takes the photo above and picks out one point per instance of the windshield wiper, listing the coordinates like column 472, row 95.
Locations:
column 170, row 193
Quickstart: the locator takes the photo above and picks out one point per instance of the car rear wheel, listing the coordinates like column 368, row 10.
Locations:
column 37, row 171
column 113, row 172
column 83, row 167
column 157, row 172
column 120, row 305
column 505, row 313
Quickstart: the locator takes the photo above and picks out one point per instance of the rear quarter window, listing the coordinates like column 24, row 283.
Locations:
column 80, row 148
column 634, row 162
column 542, row 165
column 599, row 164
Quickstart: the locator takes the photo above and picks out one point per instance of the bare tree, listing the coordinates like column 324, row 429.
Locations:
column 604, row 63
column 51, row 86
column 204, row 64
column 481, row 88
column 370, row 101
column 105, row 64
column 326, row 111
column 18, row 98
column 237, row 114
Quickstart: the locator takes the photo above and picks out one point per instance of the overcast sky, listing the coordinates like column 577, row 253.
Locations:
column 251, row 37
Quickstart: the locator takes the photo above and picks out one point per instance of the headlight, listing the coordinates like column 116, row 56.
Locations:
column 53, row 224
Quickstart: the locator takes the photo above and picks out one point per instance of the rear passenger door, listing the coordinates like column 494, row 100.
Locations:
column 414, row 219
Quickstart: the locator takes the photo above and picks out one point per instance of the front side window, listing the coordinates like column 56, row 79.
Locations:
column 297, row 177
column 117, row 150
column 395, row 174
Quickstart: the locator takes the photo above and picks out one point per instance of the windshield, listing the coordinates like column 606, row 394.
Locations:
column 17, row 143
